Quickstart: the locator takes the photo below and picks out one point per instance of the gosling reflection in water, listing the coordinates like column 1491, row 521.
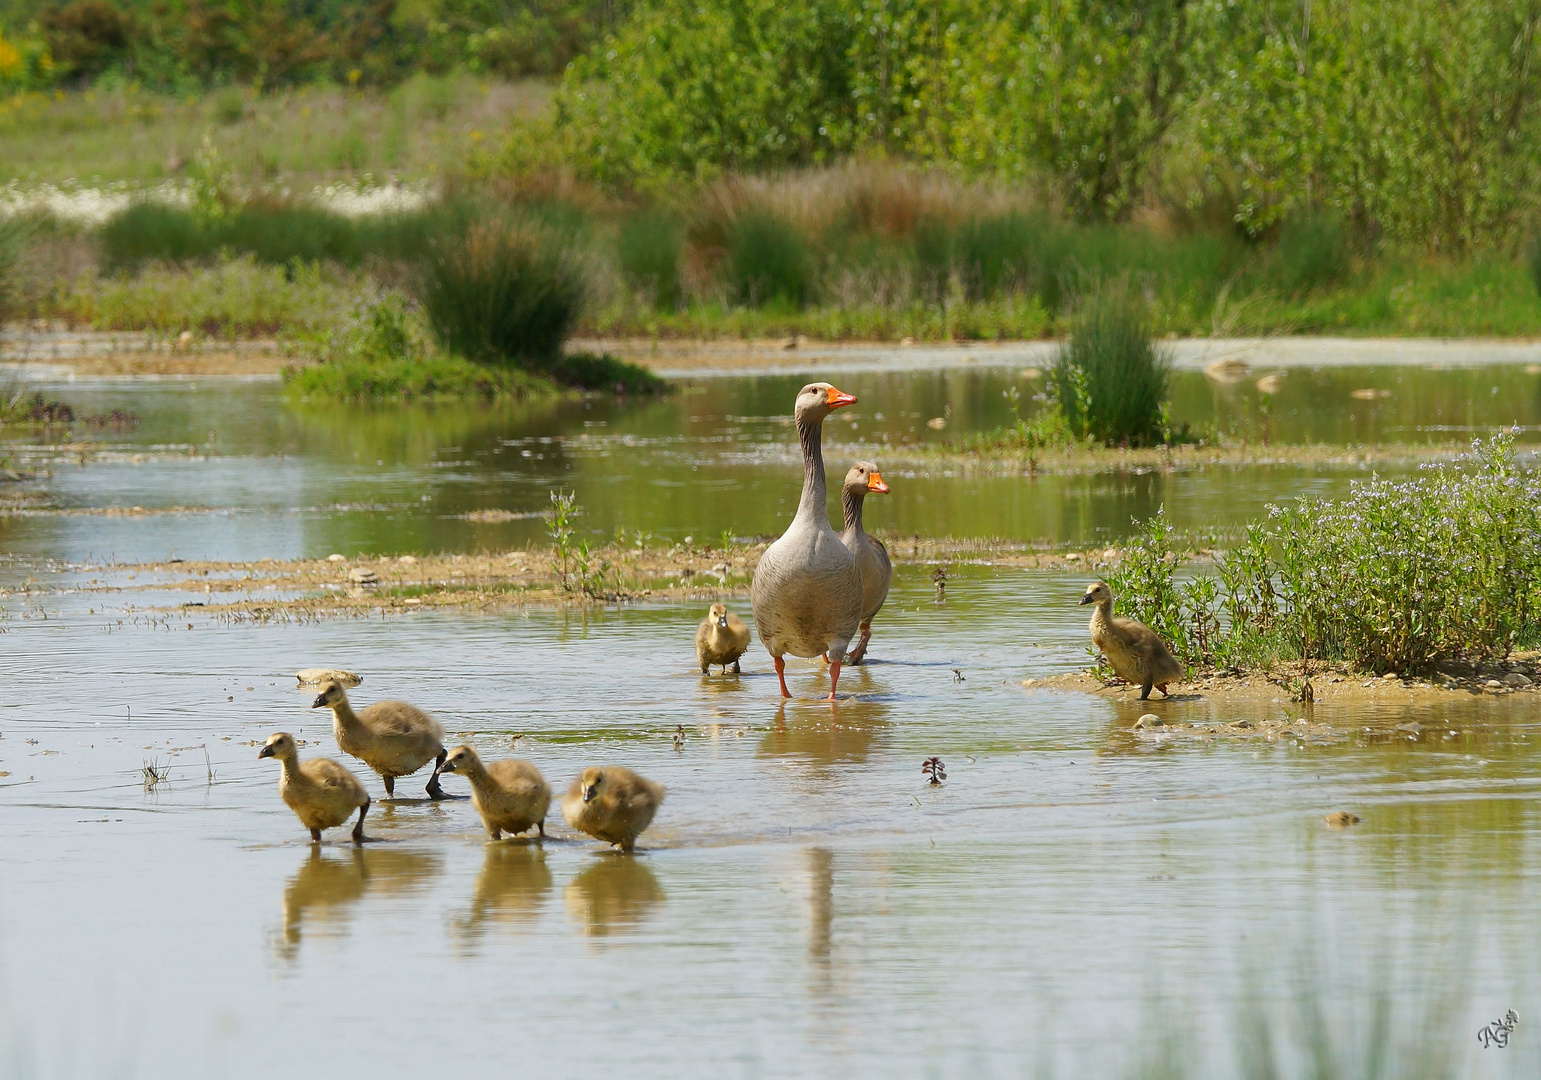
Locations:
column 844, row 732
column 612, row 896
column 325, row 888
column 821, row 889
column 511, row 888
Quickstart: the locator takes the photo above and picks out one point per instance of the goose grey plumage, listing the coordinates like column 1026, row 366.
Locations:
column 1137, row 654
column 806, row 592
column 877, row 569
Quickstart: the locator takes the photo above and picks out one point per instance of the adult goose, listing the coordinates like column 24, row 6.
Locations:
column 877, row 570
column 1136, row 653
column 806, row 591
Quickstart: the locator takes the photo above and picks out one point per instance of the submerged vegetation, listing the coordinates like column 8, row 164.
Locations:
column 1397, row 577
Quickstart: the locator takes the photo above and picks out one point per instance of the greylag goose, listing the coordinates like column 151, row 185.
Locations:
column 391, row 737
column 721, row 639
column 321, row 792
column 612, row 804
column 877, row 570
column 1136, row 653
column 806, row 591
column 510, row 795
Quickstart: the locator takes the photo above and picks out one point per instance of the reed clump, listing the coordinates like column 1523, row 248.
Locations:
column 1399, row 576
column 1111, row 379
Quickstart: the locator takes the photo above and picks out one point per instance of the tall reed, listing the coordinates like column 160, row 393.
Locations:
column 1111, row 378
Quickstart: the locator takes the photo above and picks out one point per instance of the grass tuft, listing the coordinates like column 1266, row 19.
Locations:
column 648, row 250
column 769, row 262
column 1111, row 379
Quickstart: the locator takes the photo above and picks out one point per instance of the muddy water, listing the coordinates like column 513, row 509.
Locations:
column 1076, row 899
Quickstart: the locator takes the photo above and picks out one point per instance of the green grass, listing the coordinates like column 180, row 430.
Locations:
column 768, row 263
column 1110, row 380
column 648, row 245
column 426, row 127
column 505, row 293
column 399, row 379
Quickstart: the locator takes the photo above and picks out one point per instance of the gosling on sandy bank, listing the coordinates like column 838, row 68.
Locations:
column 612, row 804
column 721, row 639
column 1138, row 656
column 391, row 737
column 510, row 795
column 321, row 792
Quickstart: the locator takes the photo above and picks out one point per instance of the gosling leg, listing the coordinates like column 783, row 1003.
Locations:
column 1162, row 688
column 433, row 788
column 1145, row 690
column 735, row 667
column 834, row 678
column 541, row 825
column 315, row 836
column 390, row 787
column 781, row 674
column 494, row 834
column 358, row 829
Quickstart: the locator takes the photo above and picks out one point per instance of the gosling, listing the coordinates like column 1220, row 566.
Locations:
column 391, row 737
column 612, row 804
column 321, row 792
column 1138, row 656
column 510, row 795
column 721, row 639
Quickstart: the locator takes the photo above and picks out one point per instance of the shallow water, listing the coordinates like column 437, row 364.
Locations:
column 225, row 469
column 1073, row 898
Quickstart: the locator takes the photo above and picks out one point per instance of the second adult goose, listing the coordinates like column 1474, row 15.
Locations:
column 877, row 570
column 391, row 737
column 1136, row 653
column 806, row 591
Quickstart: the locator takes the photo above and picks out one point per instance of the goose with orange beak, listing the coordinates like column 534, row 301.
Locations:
column 877, row 570
column 807, row 590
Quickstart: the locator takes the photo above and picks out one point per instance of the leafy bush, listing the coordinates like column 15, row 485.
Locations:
column 1398, row 576
column 1110, row 379
column 503, row 294
column 768, row 260
column 595, row 371
column 648, row 248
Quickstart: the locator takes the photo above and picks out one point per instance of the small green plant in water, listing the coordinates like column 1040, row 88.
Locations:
column 1111, row 379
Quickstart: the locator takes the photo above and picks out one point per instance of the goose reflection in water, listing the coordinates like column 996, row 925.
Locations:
column 612, row 896
column 511, row 889
column 847, row 731
column 325, row 888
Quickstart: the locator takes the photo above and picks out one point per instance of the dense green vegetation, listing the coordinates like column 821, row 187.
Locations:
column 187, row 45
column 1399, row 576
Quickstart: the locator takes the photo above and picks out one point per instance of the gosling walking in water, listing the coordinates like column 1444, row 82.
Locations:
column 612, row 804
column 721, row 639
column 1138, row 656
column 391, row 737
column 321, row 792
column 510, row 795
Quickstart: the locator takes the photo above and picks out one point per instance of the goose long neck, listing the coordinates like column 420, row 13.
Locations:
column 1105, row 609
column 291, row 765
column 344, row 716
column 852, row 499
column 814, row 504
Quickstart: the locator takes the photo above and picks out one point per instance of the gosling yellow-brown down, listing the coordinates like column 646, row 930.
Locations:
column 510, row 795
column 1136, row 653
column 391, row 737
column 721, row 639
column 612, row 804
column 321, row 792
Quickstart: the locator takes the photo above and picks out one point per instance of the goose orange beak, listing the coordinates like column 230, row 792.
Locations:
column 838, row 399
column 875, row 483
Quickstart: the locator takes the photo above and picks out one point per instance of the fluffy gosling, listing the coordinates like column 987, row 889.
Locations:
column 321, row 792
column 612, row 804
column 391, row 737
column 721, row 639
column 1138, row 656
column 510, row 795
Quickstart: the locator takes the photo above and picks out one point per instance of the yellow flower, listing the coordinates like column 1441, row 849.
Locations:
column 10, row 58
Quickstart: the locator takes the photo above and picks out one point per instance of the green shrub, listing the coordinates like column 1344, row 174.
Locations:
column 1110, row 379
column 502, row 294
column 648, row 249
column 768, row 260
column 1312, row 251
column 1399, row 576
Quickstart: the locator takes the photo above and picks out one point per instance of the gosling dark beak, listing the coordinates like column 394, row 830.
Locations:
column 875, row 483
column 723, row 622
column 266, row 751
column 589, row 793
column 448, row 766
column 1087, row 599
column 839, row 399
column 320, row 701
